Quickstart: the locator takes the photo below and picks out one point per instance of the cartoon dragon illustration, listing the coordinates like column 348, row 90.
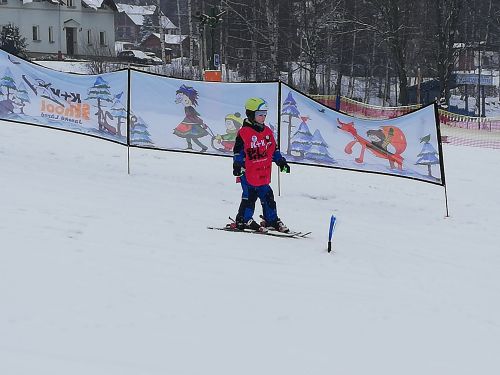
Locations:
column 390, row 134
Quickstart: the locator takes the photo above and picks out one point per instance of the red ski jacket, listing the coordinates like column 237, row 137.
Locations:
column 255, row 149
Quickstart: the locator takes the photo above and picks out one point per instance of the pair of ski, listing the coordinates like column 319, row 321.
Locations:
column 269, row 232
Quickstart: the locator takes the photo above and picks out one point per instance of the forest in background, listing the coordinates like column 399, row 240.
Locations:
column 378, row 42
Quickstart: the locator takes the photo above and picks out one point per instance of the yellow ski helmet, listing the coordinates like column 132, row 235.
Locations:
column 256, row 104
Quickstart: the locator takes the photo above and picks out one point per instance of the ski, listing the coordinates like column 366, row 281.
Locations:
column 304, row 235
column 297, row 235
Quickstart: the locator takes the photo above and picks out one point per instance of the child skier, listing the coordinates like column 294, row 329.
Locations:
column 254, row 151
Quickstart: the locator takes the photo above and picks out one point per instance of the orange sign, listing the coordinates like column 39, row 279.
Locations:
column 212, row 75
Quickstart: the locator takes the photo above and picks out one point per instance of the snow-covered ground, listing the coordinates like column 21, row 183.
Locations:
column 492, row 105
column 69, row 66
column 83, row 67
column 106, row 273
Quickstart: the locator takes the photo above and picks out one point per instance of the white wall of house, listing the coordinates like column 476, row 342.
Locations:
column 56, row 26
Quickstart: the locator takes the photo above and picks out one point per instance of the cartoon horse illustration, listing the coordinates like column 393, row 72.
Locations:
column 394, row 135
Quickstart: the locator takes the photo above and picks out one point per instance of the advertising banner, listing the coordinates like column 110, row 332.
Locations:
column 406, row 146
column 204, row 117
column 183, row 115
column 89, row 104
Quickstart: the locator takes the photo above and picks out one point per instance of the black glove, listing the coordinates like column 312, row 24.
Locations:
column 284, row 167
column 237, row 170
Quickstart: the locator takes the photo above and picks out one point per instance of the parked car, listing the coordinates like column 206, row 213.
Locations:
column 156, row 59
column 135, row 56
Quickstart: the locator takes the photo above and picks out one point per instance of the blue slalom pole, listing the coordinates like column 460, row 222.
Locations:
column 333, row 221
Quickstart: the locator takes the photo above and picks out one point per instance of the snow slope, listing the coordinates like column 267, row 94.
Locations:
column 106, row 273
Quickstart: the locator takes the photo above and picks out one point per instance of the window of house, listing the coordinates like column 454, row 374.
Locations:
column 102, row 38
column 36, row 32
column 3, row 1
column 70, row 3
column 89, row 36
column 51, row 34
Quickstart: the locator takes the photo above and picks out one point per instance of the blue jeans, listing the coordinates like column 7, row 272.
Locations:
column 248, row 199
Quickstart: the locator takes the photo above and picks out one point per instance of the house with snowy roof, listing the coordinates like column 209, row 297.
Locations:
column 131, row 20
column 67, row 27
column 173, row 43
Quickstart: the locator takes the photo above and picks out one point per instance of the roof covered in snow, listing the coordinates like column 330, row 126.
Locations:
column 172, row 39
column 137, row 12
column 93, row 3
column 96, row 4
column 166, row 23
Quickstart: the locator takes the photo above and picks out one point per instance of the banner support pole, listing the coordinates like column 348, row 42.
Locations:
column 446, row 201
column 279, row 133
column 128, row 159
column 128, row 118
column 441, row 157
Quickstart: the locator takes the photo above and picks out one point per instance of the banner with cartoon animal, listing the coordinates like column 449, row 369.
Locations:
column 406, row 146
column 194, row 116
column 89, row 104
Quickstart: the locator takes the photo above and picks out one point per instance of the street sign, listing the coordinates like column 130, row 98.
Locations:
column 472, row 79
column 217, row 60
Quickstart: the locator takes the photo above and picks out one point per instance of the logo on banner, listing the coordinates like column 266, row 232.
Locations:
column 58, row 104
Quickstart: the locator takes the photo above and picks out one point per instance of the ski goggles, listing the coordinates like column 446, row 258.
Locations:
column 260, row 113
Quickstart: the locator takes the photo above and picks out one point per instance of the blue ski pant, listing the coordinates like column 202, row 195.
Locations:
column 249, row 197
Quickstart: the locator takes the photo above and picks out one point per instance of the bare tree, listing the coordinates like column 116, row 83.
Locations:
column 100, row 60
column 316, row 19
column 447, row 15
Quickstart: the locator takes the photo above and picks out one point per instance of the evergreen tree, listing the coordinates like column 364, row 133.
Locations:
column 318, row 150
column 100, row 92
column 139, row 133
column 119, row 112
column 290, row 106
column 147, row 27
column 22, row 95
column 7, row 81
column 12, row 42
column 290, row 110
column 301, row 140
column 427, row 155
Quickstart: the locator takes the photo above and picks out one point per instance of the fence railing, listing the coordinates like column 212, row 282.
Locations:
column 456, row 129
column 469, row 122
column 362, row 110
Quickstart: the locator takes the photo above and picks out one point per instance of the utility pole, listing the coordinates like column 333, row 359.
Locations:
column 59, row 52
column 191, row 47
column 180, row 37
column 162, row 34
column 201, row 48
column 478, row 102
column 419, row 81
column 211, row 21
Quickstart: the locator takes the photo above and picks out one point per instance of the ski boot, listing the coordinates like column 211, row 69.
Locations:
column 250, row 225
column 277, row 226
